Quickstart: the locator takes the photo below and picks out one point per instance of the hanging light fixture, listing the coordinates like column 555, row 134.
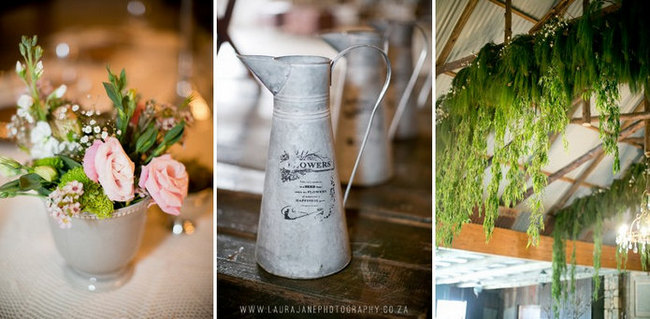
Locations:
column 637, row 235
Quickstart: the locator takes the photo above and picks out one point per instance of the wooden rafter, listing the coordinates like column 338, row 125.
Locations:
column 455, row 33
column 517, row 12
column 628, row 140
column 557, row 10
column 584, row 175
column 510, row 243
column 563, row 178
column 453, row 65
column 463, row 62
column 634, row 116
column 586, row 157
column 574, row 187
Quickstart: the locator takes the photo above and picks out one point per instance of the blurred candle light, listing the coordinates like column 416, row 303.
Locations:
column 136, row 8
column 62, row 50
column 199, row 107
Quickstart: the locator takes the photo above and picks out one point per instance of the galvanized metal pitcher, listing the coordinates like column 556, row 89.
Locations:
column 363, row 77
column 399, row 100
column 302, row 231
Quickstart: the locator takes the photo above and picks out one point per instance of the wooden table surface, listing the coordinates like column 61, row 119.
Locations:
column 390, row 236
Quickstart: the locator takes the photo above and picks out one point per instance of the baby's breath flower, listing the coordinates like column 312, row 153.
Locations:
column 25, row 101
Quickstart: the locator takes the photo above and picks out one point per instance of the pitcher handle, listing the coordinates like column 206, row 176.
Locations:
column 374, row 109
column 411, row 83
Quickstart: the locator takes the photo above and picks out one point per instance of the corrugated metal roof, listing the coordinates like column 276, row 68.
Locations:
column 447, row 14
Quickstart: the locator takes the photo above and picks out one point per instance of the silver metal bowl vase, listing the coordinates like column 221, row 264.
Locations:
column 97, row 251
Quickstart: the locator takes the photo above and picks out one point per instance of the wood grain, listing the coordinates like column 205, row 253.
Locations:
column 366, row 281
column 509, row 243
column 455, row 33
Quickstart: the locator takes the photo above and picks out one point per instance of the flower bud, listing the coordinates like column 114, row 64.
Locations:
column 9, row 167
column 39, row 69
column 19, row 67
column 48, row 173
column 58, row 93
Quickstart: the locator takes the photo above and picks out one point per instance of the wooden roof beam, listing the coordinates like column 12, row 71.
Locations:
column 510, row 243
column 574, row 187
column 455, row 33
column 453, row 65
column 585, row 174
column 463, row 62
column 586, row 157
column 517, row 12
column 557, row 10
column 634, row 116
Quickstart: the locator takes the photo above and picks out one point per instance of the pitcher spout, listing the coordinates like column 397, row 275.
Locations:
column 269, row 70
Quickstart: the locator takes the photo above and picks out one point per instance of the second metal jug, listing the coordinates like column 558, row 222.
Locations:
column 363, row 81
column 302, row 231
column 399, row 101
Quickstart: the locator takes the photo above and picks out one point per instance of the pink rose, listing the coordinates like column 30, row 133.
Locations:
column 107, row 163
column 166, row 181
column 89, row 161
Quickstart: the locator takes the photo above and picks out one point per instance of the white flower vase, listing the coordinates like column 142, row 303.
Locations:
column 97, row 251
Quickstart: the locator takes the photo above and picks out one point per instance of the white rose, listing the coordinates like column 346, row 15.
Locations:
column 25, row 101
column 40, row 132
column 58, row 93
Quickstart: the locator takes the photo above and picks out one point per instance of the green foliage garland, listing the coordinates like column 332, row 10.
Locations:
column 590, row 211
column 520, row 93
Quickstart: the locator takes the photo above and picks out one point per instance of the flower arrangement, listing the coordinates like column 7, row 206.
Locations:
column 85, row 162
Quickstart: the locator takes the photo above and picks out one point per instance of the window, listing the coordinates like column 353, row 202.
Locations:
column 451, row 309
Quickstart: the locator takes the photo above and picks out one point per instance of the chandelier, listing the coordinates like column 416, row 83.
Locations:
column 637, row 235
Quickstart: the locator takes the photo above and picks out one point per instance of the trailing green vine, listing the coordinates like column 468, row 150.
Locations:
column 590, row 211
column 518, row 95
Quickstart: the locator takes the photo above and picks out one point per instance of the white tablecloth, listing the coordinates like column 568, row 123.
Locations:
column 173, row 274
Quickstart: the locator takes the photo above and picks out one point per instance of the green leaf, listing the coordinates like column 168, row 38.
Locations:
column 68, row 162
column 11, row 186
column 30, row 181
column 147, row 140
column 173, row 135
column 114, row 95
column 111, row 76
column 122, row 81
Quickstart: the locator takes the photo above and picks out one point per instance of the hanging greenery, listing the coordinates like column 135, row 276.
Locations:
column 590, row 211
column 518, row 95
